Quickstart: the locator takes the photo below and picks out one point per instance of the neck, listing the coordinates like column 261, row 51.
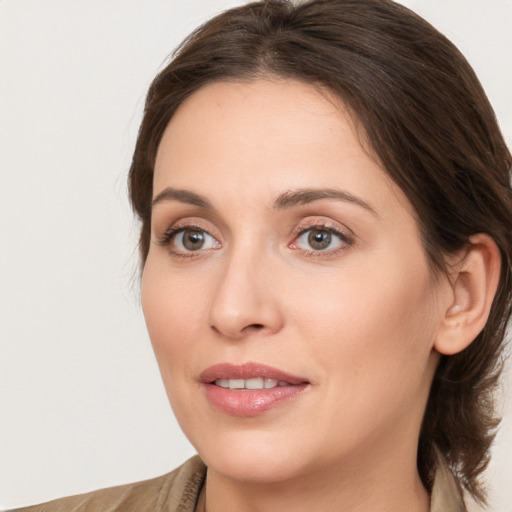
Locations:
column 380, row 486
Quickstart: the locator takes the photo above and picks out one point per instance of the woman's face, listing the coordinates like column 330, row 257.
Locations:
column 284, row 259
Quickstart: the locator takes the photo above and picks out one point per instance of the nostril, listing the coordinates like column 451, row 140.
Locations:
column 245, row 330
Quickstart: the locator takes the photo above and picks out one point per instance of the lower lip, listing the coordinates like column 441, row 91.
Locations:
column 245, row 402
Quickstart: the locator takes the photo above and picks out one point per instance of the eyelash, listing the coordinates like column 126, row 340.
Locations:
column 167, row 238
column 346, row 241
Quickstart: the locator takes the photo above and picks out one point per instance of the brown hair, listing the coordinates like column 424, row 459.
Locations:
column 430, row 125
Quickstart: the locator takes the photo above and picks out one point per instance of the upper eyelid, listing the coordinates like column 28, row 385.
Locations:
column 178, row 226
column 323, row 222
column 330, row 229
column 341, row 234
column 183, row 223
column 167, row 220
column 175, row 230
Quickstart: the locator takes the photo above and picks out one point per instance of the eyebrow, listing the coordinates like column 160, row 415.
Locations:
column 308, row 195
column 284, row 201
column 182, row 196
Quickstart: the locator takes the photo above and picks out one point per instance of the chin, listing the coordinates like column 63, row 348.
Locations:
column 249, row 457
column 256, row 470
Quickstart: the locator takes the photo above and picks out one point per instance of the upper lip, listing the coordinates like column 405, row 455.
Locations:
column 248, row 371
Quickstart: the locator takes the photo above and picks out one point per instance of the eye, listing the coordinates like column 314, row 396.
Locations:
column 188, row 239
column 321, row 238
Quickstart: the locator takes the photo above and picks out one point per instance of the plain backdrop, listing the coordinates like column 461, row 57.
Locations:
column 81, row 402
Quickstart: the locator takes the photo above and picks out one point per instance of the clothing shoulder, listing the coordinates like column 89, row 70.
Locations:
column 447, row 495
column 175, row 491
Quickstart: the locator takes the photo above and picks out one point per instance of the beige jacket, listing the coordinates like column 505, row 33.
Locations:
column 179, row 490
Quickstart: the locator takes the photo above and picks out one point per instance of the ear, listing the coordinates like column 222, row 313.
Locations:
column 474, row 281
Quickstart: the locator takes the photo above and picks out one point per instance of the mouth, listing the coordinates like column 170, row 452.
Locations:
column 250, row 384
column 250, row 389
column 260, row 375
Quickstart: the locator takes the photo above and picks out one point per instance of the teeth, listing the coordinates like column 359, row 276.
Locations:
column 236, row 383
column 254, row 383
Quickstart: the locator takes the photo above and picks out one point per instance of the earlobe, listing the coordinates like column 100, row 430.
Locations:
column 475, row 279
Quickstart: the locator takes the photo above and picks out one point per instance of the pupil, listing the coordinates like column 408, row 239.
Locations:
column 319, row 240
column 193, row 240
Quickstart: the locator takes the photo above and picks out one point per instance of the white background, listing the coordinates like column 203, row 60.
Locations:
column 81, row 403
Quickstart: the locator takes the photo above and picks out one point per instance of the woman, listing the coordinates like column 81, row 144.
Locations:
column 326, row 246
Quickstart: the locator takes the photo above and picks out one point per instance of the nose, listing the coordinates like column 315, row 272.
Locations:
column 246, row 299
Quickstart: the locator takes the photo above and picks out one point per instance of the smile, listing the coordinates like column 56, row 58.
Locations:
column 249, row 389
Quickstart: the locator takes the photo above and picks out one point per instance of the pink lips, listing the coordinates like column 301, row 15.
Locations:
column 249, row 402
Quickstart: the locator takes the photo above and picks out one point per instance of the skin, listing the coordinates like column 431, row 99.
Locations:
column 359, row 320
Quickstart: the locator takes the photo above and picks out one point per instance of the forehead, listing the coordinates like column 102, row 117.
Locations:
column 263, row 114
column 271, row 134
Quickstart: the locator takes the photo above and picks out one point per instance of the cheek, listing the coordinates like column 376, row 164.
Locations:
column 370, row 323
column 174, row 315
column 371, row 336
column 173, row 309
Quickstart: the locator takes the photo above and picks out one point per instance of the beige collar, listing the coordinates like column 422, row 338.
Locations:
column 446, row 494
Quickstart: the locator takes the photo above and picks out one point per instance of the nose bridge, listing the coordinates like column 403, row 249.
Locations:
column 243, row 300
